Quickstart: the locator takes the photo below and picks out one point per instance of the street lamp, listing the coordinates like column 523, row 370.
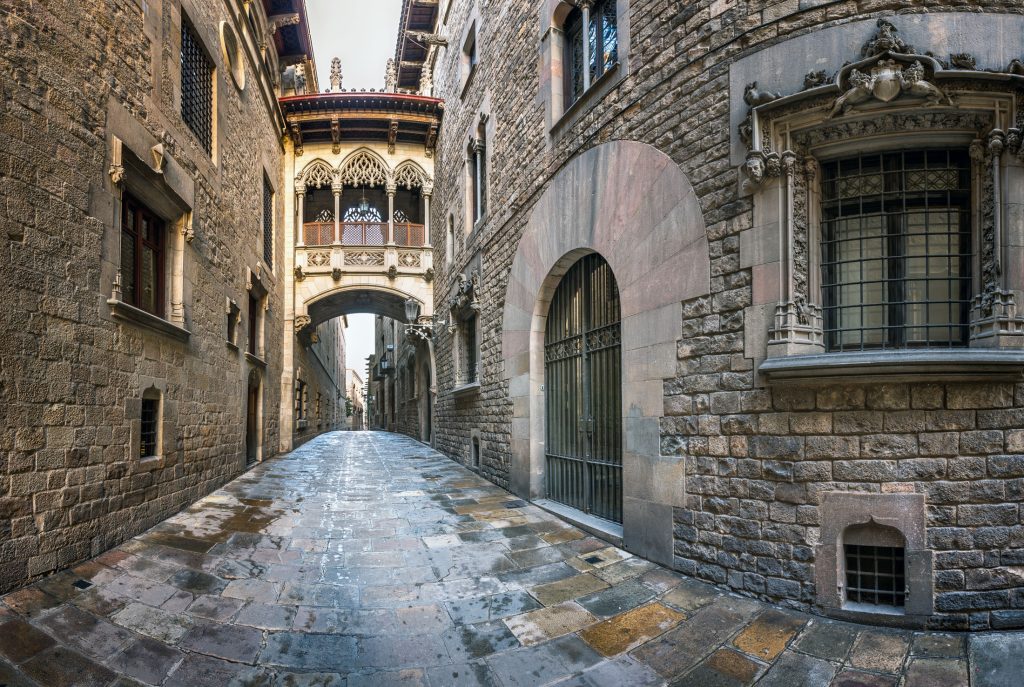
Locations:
column 414, row 328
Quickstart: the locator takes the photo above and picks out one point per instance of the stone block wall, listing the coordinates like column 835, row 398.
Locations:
column 72, row 77
column 757, row 458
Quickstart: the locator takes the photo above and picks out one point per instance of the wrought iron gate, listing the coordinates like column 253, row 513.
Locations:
column 583, row 391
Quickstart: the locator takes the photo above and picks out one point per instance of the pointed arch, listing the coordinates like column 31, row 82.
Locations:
column 317, row 174
column 411, row 175
column 365, row 168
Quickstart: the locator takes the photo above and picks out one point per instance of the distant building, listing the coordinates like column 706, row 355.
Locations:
column 355, row 401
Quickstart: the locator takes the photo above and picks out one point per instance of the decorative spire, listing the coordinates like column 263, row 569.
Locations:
column 336, row 75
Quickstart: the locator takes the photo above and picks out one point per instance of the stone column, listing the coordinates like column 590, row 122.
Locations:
column 300, row 199
column 337, row 188
column 391, row 189
column 426, row 218
column 478, row 153
column 117, row 187
column 585, row 7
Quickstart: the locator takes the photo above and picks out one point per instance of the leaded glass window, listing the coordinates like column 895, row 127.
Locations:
column 896, row 250
column 363, row 214
column 142, row 257
column 196, row 87
column 603, row 37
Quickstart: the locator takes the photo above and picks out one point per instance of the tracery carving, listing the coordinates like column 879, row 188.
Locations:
column 318, row 174
column 319, row 259
column 364, row 169
column 410, row 176
column 365, row 258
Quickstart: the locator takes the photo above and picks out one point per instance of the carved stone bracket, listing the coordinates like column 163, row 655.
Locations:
column 301, row 322
column 798, row 329
column 299, row 274
column 393, row 273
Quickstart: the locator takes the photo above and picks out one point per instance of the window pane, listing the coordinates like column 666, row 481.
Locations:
column 128, row 268
column 610, row 35
column 148, row 278
column 893, row 250
column 196, row 88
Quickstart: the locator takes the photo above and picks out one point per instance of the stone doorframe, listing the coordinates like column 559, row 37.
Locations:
column 630, row 203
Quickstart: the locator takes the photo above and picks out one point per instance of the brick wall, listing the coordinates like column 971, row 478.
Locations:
column 756, row 459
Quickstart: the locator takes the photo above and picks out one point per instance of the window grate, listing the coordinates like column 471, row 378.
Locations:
column 875, row 575
column 150, row 414
column 196, row 87
column 268, row 224
column 896, row 250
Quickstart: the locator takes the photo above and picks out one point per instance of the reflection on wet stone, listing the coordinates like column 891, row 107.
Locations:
column 368, row 559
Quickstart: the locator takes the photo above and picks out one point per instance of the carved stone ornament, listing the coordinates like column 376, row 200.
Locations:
column 390, row 76
column 427, row 39
column 428, row 276
column 885, row 82
column 301, row 322
column 159, row 158
column 336, row 274
column 299, row 275
column 393, row 273
column 336, row 76
column 187, row 228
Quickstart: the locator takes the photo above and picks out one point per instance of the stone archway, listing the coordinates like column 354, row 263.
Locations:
column 631, row 204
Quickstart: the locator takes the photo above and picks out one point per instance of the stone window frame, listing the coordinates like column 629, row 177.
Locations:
column 903, row 512
column 259, row 294
column 167, row 440
column 469, row 52
column 205, row 42
column 449, row 246
column 476, row 449
column 788, row 136
column 233, row 315
column 478, row 167
column 560, row 115
column 158, row 185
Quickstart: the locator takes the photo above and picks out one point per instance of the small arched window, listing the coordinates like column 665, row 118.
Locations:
column 592, row 50
column 875, row 566
column 149, row 435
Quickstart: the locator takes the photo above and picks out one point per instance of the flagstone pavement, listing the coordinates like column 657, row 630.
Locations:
column 369, row 559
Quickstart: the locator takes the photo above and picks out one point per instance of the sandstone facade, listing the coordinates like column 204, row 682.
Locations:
column 91, row 110
column 737, row 466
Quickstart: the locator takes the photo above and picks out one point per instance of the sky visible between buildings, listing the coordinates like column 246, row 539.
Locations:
column 363, row 34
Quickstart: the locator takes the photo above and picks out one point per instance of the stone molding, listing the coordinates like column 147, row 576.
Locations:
column 902, row 512
column 657, row 248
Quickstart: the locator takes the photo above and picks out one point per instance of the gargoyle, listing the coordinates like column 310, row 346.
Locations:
column 753, row 97
column 426, row 38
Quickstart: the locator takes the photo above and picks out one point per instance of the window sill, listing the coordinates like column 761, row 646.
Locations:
column 607, row 530
column 466, row 389
column 232, row 346
column 255, row 360
column 150, row 463
column 948, row 365
column 129, row 313
column 598, row 89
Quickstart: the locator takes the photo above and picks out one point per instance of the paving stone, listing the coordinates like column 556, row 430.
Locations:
column 857, row 678
column 30, row 602
column 153, row 622
column 792, row 669
column 943, row 672
column 689, row 596
column 197, row 670
column 411, row 677
column 827, row 639
column 617, row 599
column 267, row 617
column 61, row 667
column 19, row 641
column 768, row 635
column 11, row 677
column 568, row 589
column 410, row 651
column 880, row 651
column 631, row 629
column 461, row 675
column 215, row 607
column 622, row 670
column 230, row 642
column 86, row 632
column 469, row 642
column 147, row 660
column 724, row 667
column 938, row 645
column 309, row 652
column 309, row 680
column 996, row 660
column 197, row 582
column 547, row 662
column 547, row 623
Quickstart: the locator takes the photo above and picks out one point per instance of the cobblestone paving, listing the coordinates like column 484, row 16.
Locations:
column 368, row 559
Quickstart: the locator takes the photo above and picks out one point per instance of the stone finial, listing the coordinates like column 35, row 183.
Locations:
column 391, row 77
column 336, row 75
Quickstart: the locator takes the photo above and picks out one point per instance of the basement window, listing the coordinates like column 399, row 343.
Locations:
column 875, row 575
column 149, row 438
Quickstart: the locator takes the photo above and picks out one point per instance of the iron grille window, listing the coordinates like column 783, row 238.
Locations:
column 603, row 37
column 268, row 224
column 254, row 325
column 875, row 575
column 150, row 417
column 896, row 250
column 196, row 87
column 142, row 257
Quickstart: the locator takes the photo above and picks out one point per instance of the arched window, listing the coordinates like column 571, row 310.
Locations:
column 590, row 51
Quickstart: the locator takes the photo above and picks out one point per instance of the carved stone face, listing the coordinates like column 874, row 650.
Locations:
column 755, row 169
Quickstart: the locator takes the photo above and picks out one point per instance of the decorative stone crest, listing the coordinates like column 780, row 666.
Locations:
column 885, row 82
column 336, row 75
column 391, row 76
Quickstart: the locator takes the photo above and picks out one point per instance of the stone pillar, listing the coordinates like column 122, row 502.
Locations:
column 391, row 189
column 478, row 153
column 300, row 229
column 117, row 187
column 426, row 218
column 337, row 188
column 585, row 7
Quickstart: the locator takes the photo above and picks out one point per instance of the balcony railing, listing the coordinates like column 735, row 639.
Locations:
column 362, row 234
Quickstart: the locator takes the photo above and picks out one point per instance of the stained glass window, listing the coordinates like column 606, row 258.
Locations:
column 603, row 37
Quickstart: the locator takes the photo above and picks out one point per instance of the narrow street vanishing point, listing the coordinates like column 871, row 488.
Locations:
column 366, row 558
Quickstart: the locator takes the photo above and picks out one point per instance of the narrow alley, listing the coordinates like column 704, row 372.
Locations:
column 366, row 558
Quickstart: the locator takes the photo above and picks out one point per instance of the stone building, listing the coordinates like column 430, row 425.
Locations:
column 735, row 283
column 140, row 198
column 355, row 400
column 358, row 169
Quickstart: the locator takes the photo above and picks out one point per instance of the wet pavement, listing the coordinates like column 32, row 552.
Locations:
column 368, row 559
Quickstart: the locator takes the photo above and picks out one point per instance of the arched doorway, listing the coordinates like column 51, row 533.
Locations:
column 583, row 391
column 253, row 424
